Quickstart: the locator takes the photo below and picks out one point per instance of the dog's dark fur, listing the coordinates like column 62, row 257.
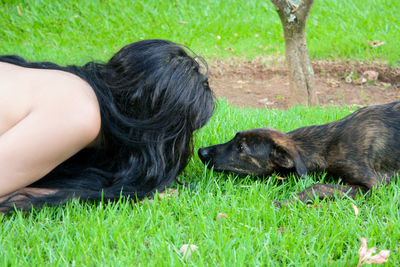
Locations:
column 363, row 149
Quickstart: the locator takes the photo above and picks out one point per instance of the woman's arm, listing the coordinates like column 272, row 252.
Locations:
column 42, row 140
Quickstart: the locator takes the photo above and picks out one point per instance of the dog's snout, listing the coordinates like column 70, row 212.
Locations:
column 205, row 154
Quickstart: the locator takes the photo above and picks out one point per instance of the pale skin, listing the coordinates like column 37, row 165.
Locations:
column 46, row 116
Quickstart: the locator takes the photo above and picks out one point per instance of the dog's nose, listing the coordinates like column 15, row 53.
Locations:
column 204, row 154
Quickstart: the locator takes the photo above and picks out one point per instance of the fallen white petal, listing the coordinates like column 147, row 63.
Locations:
column 186, row 250
column 355, row 209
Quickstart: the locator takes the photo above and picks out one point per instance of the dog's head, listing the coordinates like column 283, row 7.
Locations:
column 254, row 152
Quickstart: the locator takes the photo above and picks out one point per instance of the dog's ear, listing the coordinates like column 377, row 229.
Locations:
column 285, row 154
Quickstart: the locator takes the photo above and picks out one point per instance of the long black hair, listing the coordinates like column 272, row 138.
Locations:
column 153, row 95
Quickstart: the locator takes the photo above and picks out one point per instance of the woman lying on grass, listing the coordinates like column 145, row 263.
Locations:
column 100, row 131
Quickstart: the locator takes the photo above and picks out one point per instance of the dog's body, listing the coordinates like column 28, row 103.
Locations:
column 363, row 149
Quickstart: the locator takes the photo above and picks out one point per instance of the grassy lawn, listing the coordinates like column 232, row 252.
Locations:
column 76, row 31
column 254, row 232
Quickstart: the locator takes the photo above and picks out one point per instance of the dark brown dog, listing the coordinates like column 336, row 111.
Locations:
column 363, row 149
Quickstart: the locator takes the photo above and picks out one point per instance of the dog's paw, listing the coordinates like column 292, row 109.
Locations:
column 281, row 204
column 277, row 204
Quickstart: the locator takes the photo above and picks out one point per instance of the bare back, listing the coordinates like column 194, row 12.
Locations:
column 46, row 116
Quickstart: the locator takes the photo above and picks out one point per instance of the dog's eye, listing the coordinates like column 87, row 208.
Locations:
column 240, row 148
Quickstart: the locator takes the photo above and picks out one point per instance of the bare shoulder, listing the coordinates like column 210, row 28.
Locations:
column 72, row 103
column 61, row 99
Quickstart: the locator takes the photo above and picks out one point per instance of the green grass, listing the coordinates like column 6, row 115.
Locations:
column 255, row 232
column 76, row 31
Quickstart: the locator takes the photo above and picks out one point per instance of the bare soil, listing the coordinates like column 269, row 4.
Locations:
column 261, row 83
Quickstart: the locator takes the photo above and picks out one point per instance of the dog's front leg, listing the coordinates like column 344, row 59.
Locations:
column 322, row 191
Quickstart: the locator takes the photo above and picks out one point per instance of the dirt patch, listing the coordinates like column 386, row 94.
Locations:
column 260, row 83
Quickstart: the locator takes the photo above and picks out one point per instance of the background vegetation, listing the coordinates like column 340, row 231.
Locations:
column 75, row 31
column 254, row 231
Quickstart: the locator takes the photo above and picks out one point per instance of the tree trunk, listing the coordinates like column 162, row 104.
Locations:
column 293, row 15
